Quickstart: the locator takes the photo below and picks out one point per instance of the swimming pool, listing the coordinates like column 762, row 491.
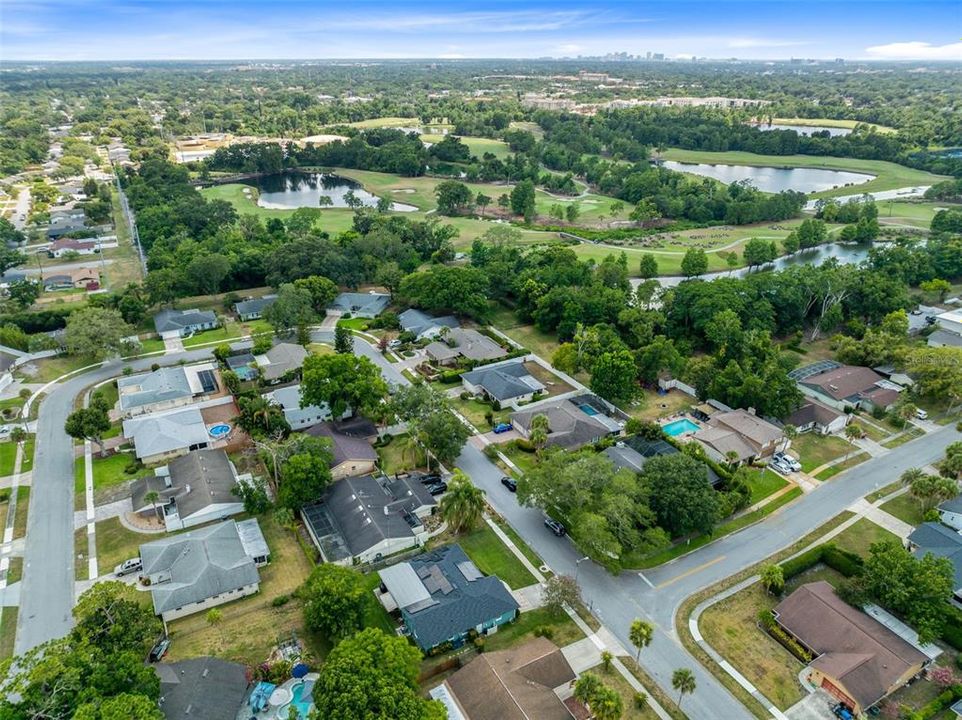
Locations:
column 300, row 699
column 680, row 427
column 588, row 409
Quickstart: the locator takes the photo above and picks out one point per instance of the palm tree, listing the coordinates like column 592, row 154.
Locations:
column 538, row 435
column 790, row 431
column 587, row 687
column 152, row 497
column 641, row 634
column 463, row 504
column 683, row 680
column 911, row 475
column 732, row 458
column 853, row 431
column 606, row 704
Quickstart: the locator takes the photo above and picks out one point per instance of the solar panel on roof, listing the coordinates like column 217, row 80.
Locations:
column 207, row 380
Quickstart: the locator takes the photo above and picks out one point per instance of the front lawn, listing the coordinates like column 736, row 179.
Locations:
column 230, row 331
column 526, row 461
column 815, row 450
column 399, row 454
column 475, row 411
column 859, row 537
column 613, row 679
column 834, row 470
column 108, row 471
column 115, row 543
column 561, row 630
column 491, row 555
column 906, row 508
column 764, row 483
column 354, row 323
column 8, row 456
column 8, row 631
column 906, row 436
column 23, row 507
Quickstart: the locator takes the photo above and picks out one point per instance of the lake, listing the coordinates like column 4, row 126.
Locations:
column 774, row 179
column 807, row 129
column 289, row 191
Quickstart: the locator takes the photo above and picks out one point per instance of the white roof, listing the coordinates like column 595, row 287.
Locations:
column 163, row 432
column 404, row 585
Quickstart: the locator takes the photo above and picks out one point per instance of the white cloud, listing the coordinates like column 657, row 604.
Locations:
column 569, row 49
column 915, row 50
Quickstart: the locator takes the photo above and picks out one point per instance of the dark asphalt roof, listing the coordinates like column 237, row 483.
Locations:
column 505, row 381
column 167, row 320
column 461, row 598
column 203, row 687
column 941, row 541
column 254, row 305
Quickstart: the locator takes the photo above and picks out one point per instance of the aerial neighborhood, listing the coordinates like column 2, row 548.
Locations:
column 624, row 385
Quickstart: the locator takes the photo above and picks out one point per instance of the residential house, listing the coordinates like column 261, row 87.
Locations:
column 191, row 490
column 203, row 687
column 163, row 436
column 951, row 513
column 362, row 519
column 253, row 308
column 442, row 597
column 510, row 383
column 10, row 359
column 857, row 659
column 283, row 361
column 166, row 388
column 68, row 227
column 846, row 386
column 464, row 343
column 198, row 570
column 422, row 325
column 521, row 683
column 178, row 323
column 740, row 436
column 572, row 423
column 289, row 398
column 948, row 332
column 61, row 247
column 944, row 542
column 352, row 455
column 815, row 416
column 243, row 366
column 633, row 452
column 364, row 305
column 73, row 279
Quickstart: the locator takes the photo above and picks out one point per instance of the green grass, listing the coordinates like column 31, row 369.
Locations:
column 222, row 334
column 860, row 536
column 474, row 411
column 905, row 508
column 562, row 629
column 888, row 176
column 108, row 471
column 354, row 323
column 398, row 455
column 80, row 554
column 883, row 491
column 493, row 557
column 49, row 369
column 829, row 122
column 613, row 679
column 521, row 544
column 726, row 528
column 834, row 470
column 815, row 450
column 478, row 145
column 907, row 436
column 115, row 543
column 386, row 122
column 907, row 212
column 526, row 461
column 23, row 507
column 765, row 483
column 8, row 631
column 8, row 456
column 540, row 343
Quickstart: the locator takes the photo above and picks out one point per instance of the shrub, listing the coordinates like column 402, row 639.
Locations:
column 465, row 395
column 280, row 600
column 640, row 700
column 132, row 467
column 490, row 452
column 789, row 643
column 544, row 631
column 524, row 445
column 847, row 563
column 5, row 495
column 154, row 367
column 479, row 644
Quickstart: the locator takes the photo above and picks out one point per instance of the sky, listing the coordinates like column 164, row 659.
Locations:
column 302, row 29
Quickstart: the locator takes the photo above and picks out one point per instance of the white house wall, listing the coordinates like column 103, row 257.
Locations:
column 211, row 602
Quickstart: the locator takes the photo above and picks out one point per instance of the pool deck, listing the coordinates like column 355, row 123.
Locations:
column 276, row 712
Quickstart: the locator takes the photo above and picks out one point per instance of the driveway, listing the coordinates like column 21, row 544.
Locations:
column 817, row 706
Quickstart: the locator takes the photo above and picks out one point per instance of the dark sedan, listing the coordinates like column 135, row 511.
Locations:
column 510, row 483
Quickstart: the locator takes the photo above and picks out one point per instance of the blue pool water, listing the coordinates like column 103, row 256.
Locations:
column 588, row 410
column 302, row 698
column 218, row 431
column 680, row 427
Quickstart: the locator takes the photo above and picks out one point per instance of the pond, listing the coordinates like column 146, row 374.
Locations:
column 774, row 179
column 289, row 191
column 807, row 129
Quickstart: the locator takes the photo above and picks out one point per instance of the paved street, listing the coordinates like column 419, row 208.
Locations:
column 658, row 594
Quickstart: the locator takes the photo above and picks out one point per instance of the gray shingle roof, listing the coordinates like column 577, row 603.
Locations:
column 168, row 320
column 366, row 510
column 161, row 433
column 461, row 598
column 289, row 398
column 280, row 360
column 203, row 687
column 466, row 343
column 254, row 305
column 954, row 505
column 625, row 457
column 200, row 563
column 941, row 541
column 346, row 447
column 568, row 425
column 161, row 385
column 505, row 381
column 417, row 321
column 210, row 476
column 361, row 303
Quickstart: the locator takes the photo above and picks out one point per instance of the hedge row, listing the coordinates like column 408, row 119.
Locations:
column 845, row 562
column 933, row 708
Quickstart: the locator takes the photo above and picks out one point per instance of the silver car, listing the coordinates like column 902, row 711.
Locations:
column 128, row 566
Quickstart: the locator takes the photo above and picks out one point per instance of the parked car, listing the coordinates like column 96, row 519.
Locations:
column 430, row 479
column 510, row 483
column 780, row 467
column 555, row 527
column 916, row 312
column 788, row 461
column 4, row 429
column 503, row 428
column 437, row 488
column 128, row 566
column 394, row 343
column 158, row 651
column 919, row 413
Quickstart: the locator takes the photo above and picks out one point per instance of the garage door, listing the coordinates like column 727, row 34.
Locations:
column 830, row 688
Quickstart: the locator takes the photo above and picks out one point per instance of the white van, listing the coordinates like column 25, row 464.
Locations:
column 921, row 414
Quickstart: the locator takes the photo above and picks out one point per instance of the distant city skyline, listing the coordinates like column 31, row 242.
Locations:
column 117, row 30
